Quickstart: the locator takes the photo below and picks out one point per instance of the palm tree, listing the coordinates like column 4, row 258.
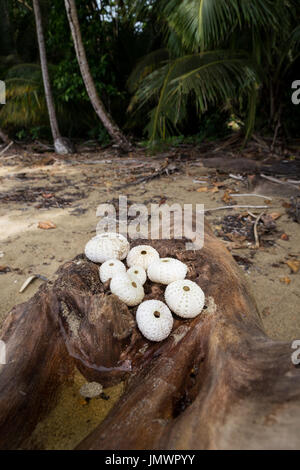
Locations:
column 61, row 144
column 116, row 134
column 215, row 53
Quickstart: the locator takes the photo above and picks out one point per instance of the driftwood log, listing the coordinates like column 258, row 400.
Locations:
column 217, row 382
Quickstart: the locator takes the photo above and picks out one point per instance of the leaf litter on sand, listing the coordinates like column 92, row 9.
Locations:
column 239, row 228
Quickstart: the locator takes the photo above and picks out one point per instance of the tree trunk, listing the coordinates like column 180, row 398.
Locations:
column 61, row 144
column 116, row 134
column 217, row 382
column 4, row 137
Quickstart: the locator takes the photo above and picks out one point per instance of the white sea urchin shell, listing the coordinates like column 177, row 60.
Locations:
column 110, row 268
column 137, row 272
column 142, row 255
column 107, row 246
column 130, row 291
column 166, row 270
column 185, row 298
column 154, row 320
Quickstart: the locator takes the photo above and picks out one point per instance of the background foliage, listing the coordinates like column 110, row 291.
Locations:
column 163, row 68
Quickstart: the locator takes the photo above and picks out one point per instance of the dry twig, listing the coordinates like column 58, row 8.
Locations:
column 255, row 229
column 251, row 194
column 6, row 148
column 234, row 207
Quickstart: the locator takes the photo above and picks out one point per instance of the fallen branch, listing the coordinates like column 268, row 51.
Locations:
column 166, row 168
column 6, row 148
column 9, row 157
column 261, row 142
column 234, row 207
column 236, row 177
column 251, row 194
column 30, row 279
column 294, row 181
column 276, row 180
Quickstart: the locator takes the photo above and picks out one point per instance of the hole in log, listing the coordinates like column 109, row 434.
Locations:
column 192, row 384
column 181, row 404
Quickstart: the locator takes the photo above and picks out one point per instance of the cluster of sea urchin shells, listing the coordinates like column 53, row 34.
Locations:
column 154, row 318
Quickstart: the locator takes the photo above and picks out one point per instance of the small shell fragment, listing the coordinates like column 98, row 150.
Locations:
column 91, row 390
column 154, row 320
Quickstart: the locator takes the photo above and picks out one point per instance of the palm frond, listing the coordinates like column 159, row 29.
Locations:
column 207, row 78
column 251, row 112
column 25, row 102
column 288, row 53
column 145, row 66
column 25, row 105
column 205, row 23
column 295, row 35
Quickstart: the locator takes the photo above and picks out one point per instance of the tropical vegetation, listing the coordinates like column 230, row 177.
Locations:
column 158, row 68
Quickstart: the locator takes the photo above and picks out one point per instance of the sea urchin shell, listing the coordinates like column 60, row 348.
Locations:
column 107, row 246
column 142, row 255
column 185, row 298
column 166, row 270
column 130, row 291
column 137, row 272
column 154, row 320
column 110, row 268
